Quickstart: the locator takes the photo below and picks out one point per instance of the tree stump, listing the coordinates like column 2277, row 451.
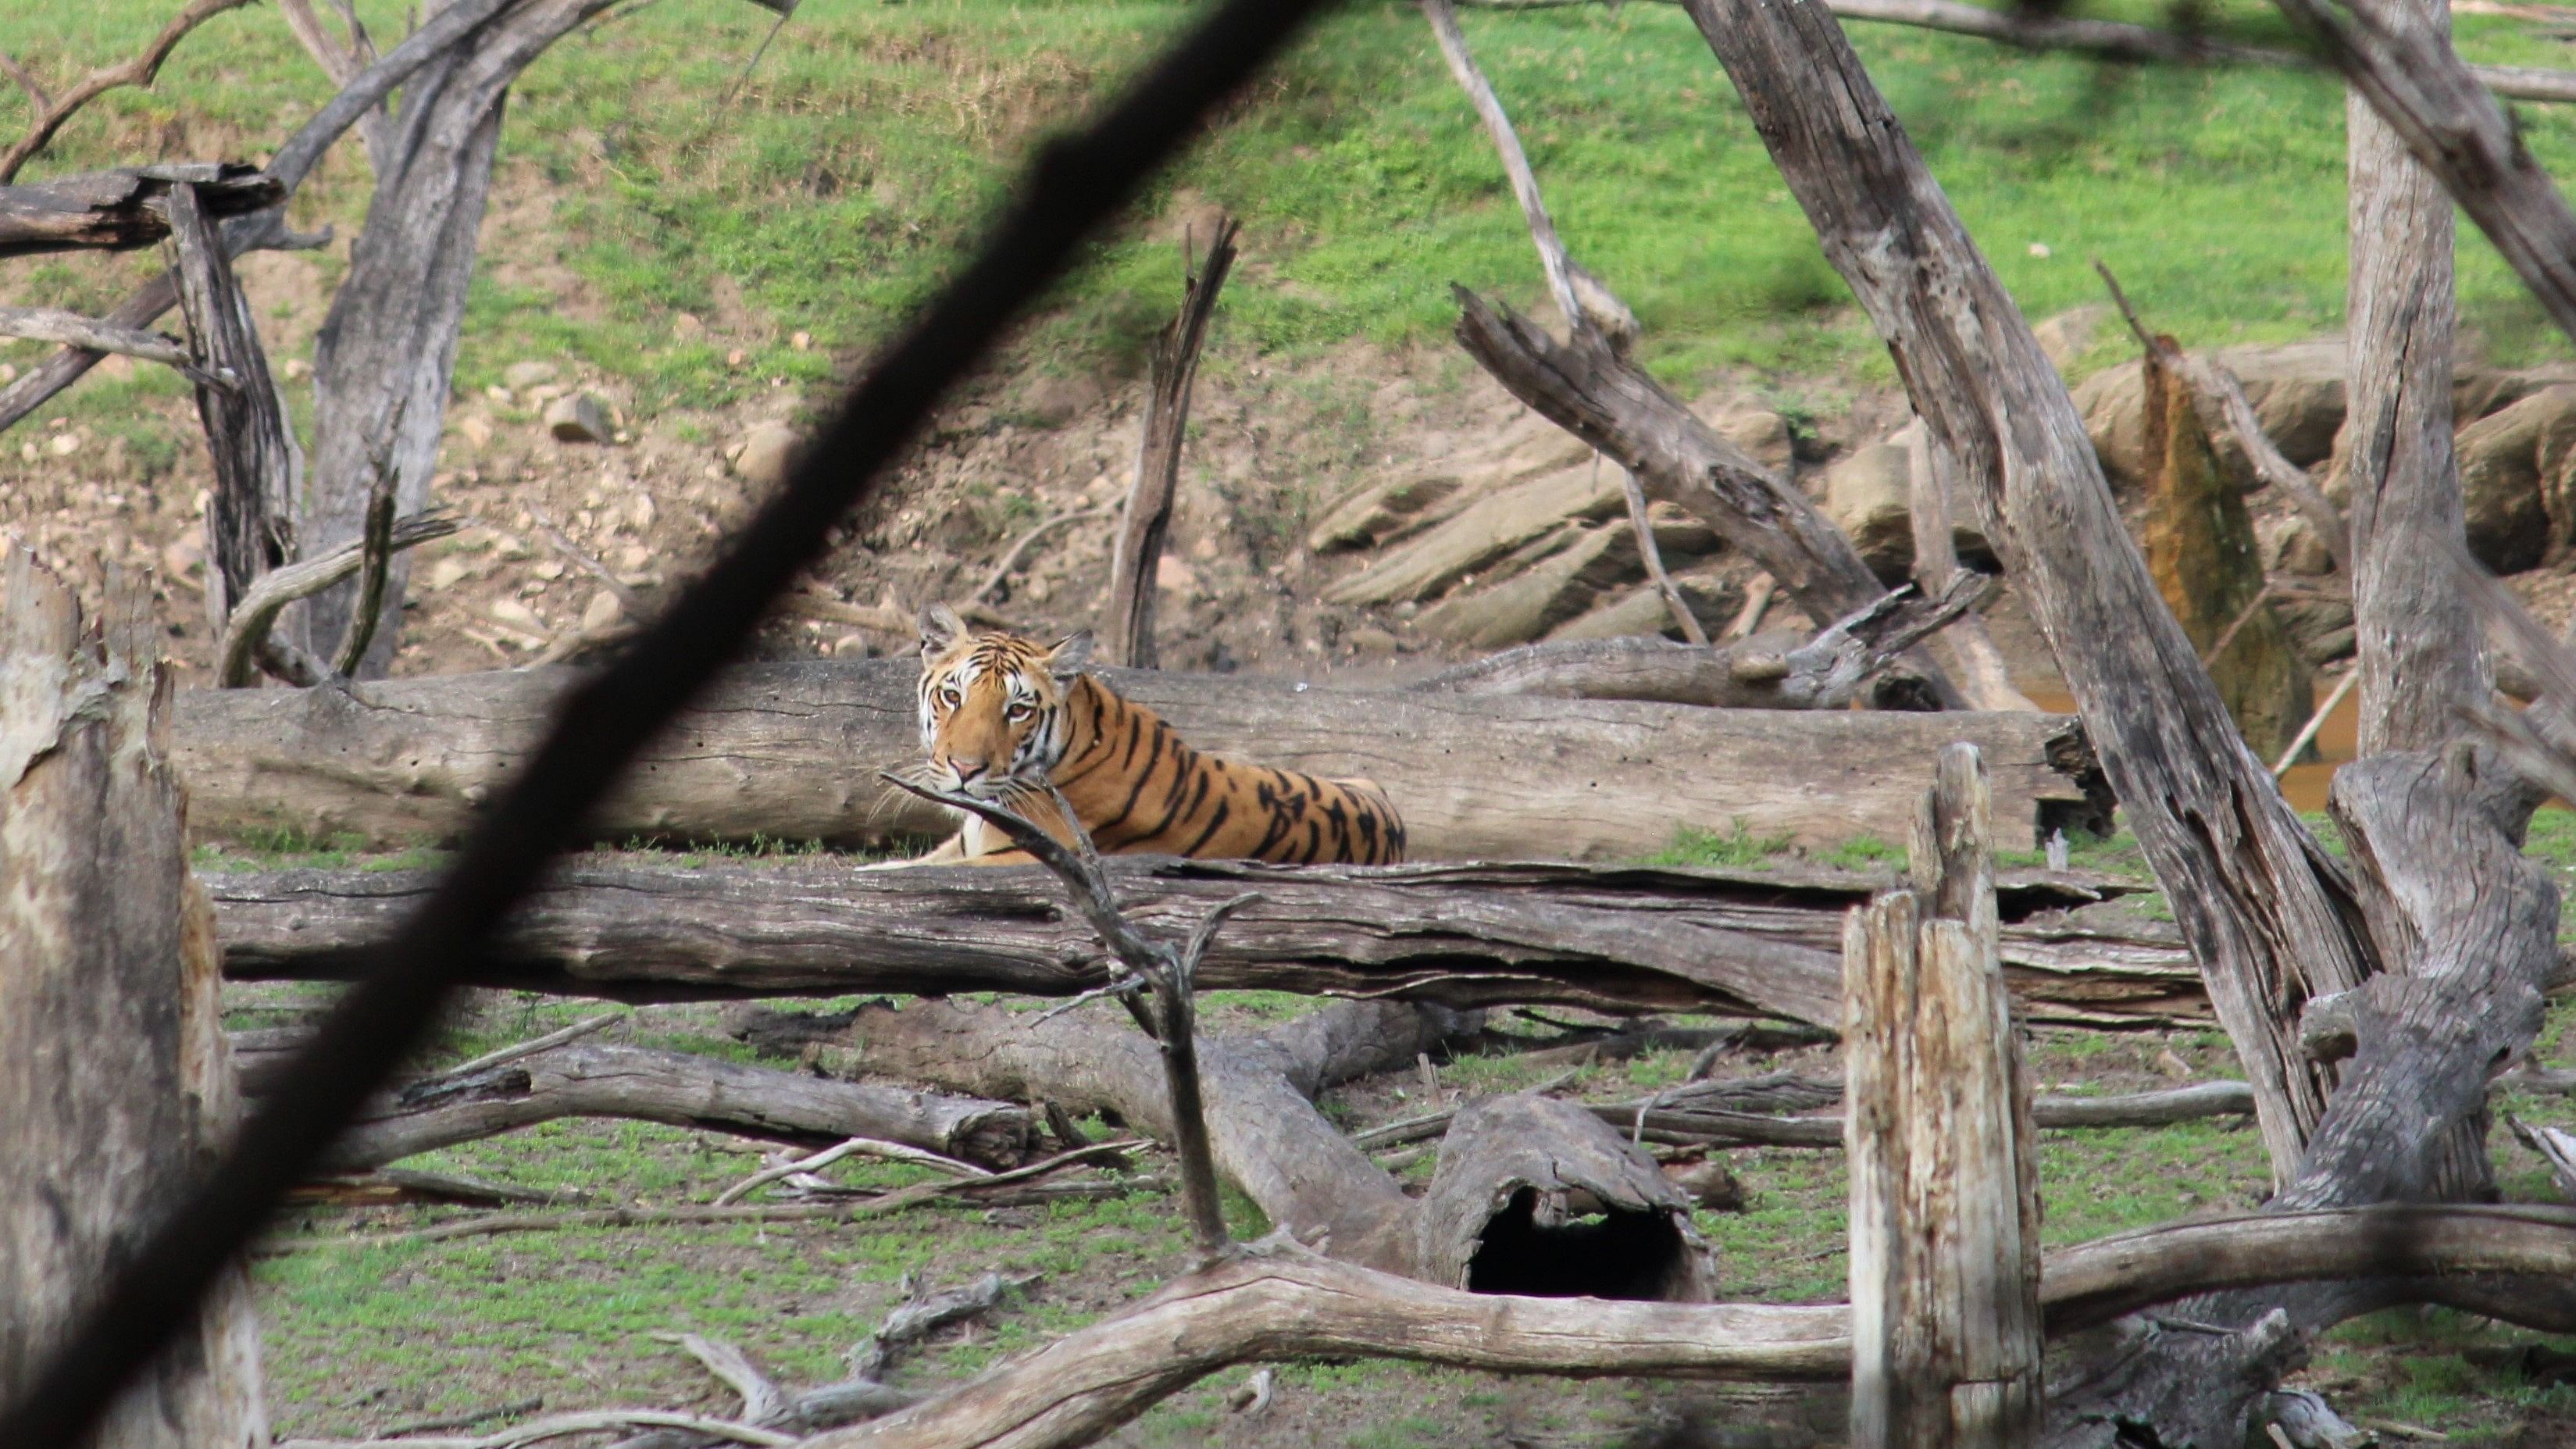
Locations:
column 1944, row 1192
column 116, row 1085
column 2201, row 548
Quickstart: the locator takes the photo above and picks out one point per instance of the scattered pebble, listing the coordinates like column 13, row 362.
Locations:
column 528, row 374
column 579, row 418
column 767, row 452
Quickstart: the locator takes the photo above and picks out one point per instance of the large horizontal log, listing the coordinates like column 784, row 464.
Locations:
column 792, row 751
column 1622, row 938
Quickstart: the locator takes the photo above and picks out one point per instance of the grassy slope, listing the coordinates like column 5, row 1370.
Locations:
column 874, row 138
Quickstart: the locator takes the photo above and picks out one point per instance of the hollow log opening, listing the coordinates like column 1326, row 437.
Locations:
column 1539, row 1247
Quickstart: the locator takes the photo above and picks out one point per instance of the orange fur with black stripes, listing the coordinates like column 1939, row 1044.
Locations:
column 1003, row 715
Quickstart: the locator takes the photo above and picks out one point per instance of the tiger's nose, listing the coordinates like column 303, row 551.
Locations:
column 966, row 769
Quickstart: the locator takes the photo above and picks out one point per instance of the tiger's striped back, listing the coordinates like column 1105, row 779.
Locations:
column 1002, row 714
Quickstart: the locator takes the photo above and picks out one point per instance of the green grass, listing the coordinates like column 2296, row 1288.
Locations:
column 875, row 141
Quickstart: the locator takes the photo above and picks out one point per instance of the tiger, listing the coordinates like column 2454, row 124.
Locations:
column 1004, row 715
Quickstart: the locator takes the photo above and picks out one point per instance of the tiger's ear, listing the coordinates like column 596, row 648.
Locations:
column 1070, row 653
column 940, row 630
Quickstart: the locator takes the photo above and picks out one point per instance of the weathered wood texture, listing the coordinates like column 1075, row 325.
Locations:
column 1776, row 671
column 681, row 1089
column 124, row 208
column 259, row 467
column 2201, row 548
column 1942, row 1151
column 1468, row 935
column 793, row 751
column 1586, row 388
column 115, row 1085
column 1138, row 551
column 1274, row 1303
column 2254, row 895
column 2420, row 644
column 1966, row 649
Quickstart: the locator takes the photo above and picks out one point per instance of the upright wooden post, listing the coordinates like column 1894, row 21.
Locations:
column 115, row 1082
column 1944, row 1196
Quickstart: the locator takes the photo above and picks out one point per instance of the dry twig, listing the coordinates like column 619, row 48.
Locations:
column 136, row 72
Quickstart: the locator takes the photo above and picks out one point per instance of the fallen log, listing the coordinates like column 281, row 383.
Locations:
column 680, row 1089
column 1274, row 1303
column 1617, row 938
column 792, row 751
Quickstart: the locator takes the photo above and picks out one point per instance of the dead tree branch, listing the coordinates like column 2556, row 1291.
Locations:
column 2457, row 132
column 985, row 591
column 1611, row 404
column 2227, row 416
column 259, row 467
column 1275, row 1302
column 1467, row 769
column 41, row 324
column 1148, row 514
column 140, row 71
column 1172, row 972
column 246, row 633
column 1826, row 672
column 2031, row 29
column 679, row 1089
column 122, row 209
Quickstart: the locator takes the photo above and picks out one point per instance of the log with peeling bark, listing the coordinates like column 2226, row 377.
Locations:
column 679, row 1089
column 124, row 208
column 792, row 751
column 1622, row 938
column 115, row 1085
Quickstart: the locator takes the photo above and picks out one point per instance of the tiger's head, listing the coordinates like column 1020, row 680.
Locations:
column 993, row 720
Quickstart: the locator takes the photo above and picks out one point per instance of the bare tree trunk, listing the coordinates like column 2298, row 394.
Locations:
column 384, row 357
column 1966, row 650
column 2422, row 654
column 1148, row 516
column 116, row 1086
